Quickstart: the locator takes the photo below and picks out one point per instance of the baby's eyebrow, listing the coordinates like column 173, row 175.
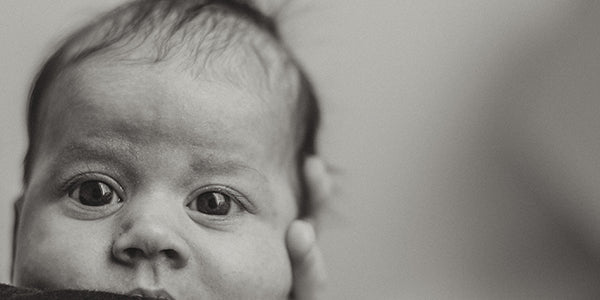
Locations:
column 115, row 153
column 122, row 155
column 215, row 166
column 112, row 150
column 72, row 151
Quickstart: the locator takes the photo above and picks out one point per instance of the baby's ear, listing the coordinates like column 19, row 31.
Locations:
column 320, row 185
column 17, row 206
column 18, row 203
column 17, row 211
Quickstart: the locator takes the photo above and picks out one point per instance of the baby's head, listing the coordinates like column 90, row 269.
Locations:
column 166, row 145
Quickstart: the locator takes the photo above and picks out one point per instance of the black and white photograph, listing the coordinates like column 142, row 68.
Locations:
column 299, row 149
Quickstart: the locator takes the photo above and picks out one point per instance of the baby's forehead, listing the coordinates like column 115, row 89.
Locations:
column 154, row 112
column 153, row 97
column 242, row 96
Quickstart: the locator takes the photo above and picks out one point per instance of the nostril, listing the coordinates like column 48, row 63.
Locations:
column 170, row 253
column 133, row 253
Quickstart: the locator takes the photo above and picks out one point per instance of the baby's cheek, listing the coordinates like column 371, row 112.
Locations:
column 54, row 252
column 255, row 269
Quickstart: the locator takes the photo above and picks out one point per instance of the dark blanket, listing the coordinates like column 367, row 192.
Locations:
column 12, row 292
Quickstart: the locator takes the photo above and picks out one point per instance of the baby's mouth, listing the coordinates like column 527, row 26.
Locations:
column 151, row 293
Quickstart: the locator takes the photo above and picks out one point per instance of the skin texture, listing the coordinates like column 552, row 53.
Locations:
column 159, row 137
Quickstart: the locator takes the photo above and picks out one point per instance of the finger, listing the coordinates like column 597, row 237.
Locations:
column 308, row 267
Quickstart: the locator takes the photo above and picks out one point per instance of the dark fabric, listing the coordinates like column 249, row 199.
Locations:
column 12, row 292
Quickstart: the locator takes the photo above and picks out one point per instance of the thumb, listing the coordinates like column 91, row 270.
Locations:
column 308, row 268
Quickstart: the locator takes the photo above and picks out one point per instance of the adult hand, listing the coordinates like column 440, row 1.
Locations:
column 308, row 268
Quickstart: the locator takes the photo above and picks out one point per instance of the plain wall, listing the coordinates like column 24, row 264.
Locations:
column 406, row 88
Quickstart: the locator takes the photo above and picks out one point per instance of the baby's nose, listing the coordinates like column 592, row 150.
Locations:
column 150, row 238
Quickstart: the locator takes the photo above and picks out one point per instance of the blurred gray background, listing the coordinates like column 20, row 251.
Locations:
column 466, row 134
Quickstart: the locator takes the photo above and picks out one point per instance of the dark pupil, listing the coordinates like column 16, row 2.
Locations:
column 95, row 193
column 214, row 203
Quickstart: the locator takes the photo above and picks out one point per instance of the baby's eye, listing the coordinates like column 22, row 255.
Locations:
column 94, row 193
column 212, row 203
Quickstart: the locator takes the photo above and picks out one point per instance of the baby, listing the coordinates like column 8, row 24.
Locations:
column 171, row 155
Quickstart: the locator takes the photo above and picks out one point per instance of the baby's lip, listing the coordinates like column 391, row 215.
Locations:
column 151, row 293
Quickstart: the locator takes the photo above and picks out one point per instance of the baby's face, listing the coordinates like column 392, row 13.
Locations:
column 149, row 179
